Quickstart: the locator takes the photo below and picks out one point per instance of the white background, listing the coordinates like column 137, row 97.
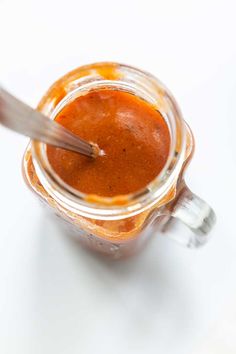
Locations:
column 54, row 296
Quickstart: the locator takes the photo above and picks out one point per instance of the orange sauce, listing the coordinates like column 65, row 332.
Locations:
column 133, row 134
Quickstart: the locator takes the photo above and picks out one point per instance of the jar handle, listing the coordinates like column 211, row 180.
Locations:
column 194, row 213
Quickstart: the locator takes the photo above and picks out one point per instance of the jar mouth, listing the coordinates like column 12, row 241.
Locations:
column 112, row 76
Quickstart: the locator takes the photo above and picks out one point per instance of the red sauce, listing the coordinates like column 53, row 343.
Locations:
column 134, row 136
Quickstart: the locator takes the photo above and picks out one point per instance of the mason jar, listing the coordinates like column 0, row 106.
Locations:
column 119, row 226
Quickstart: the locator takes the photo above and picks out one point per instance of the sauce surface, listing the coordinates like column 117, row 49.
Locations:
column 134, row 136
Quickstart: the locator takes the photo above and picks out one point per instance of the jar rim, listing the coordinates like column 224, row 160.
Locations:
column 114, row 76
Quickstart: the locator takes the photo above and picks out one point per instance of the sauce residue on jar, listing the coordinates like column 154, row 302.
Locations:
column 133, row 134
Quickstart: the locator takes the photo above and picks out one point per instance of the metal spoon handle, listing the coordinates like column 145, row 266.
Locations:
column 17, row 116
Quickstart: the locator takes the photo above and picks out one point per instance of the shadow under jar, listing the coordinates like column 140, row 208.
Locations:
column 119, row 226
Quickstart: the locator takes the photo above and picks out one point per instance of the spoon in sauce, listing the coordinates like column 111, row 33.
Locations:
column 21, row 118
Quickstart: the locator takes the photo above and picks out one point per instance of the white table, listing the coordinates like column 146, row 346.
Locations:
column 54, row 296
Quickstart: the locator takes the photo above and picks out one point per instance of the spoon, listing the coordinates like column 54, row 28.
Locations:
column 17, row 116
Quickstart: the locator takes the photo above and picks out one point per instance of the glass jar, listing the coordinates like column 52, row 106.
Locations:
column 121, row 225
